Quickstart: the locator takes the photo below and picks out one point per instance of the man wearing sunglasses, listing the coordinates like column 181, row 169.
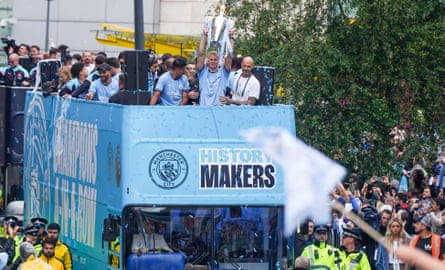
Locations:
column 40, row 224
column 320, row 254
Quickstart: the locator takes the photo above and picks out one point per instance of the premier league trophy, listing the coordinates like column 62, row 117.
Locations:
column 219, row 27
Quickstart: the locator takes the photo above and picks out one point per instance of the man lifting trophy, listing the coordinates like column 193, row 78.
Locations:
column 219, row 27
column 217, row 46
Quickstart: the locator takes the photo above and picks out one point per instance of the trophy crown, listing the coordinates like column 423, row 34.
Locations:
column 221, row 10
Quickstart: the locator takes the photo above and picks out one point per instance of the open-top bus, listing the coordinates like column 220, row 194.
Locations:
column 108, row 172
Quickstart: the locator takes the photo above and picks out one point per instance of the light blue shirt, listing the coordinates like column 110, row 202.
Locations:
column 103, row 92
column 171, row 89
column 212, row 85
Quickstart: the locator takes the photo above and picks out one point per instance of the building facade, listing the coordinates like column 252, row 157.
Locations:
column 75, row 23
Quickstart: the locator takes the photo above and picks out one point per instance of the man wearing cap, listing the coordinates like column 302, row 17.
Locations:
column 352, row 257
column 320, row 254
column 31, row 236
column 40, row 224
column 29, row 259
column 102, row 89
column 8, row 240
column 11, row 228
column 426, row 240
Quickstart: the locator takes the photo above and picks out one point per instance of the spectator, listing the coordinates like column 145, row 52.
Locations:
column 87, row 61
column 172, row 87
column 166, row 63
column 212, row 78
column 425, row 240
column 62, row 251
column 30, row 262
column 24, row 59
column 435, row 213
column 48, row 254
column 302, row 263
column 78, row 86
column 395, row 236
column 76, row 58
column 102, row 89
column 94, row 74
column 54, row 53
column 438, row 184
column 117, row 97
column 403, row 215
column 23, row 50
column 35, row 54
column 115, row 67
column 14, row 74
column 419, row 259
column 245, row 88
column 64, row 78
column 65, row 56
column 152, row 74
column 190, row 73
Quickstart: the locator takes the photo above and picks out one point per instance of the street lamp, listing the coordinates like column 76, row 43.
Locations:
column 139, row 25
column 47, row 25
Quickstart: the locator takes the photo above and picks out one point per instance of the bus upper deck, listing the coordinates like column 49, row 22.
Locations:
column 179, row 181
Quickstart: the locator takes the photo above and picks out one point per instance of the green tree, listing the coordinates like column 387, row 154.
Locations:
column 354, row 70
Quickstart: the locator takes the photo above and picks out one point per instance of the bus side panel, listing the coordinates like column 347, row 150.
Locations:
column 72, row 150
column 190, row 155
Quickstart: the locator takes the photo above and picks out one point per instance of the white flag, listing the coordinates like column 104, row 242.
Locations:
column 309, row 177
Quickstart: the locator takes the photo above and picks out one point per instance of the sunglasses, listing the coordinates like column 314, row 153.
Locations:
column 38, row 225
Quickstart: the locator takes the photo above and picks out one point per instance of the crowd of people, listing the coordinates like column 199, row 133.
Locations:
column 171, row 80
column 407, row 212
column 34, row 246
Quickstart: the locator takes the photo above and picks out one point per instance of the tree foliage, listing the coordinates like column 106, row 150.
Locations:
column 354, row 71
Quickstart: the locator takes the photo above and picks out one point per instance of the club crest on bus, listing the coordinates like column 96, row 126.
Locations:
column 168, row 169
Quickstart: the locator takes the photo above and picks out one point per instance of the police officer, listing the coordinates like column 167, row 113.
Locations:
column 320, row 254
column 40, row 224
column 31, row 236
column 352, row 257
column 8, row 240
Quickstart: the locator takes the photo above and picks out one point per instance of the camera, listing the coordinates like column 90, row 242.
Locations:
column 12, row 224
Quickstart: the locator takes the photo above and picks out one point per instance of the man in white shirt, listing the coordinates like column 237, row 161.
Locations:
column 148, row 240
column 245, row 87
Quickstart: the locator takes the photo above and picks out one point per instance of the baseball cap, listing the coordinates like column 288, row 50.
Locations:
column 425, row 220
column 104, row 66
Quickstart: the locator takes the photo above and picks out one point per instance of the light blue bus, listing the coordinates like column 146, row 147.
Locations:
column 154, row 187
